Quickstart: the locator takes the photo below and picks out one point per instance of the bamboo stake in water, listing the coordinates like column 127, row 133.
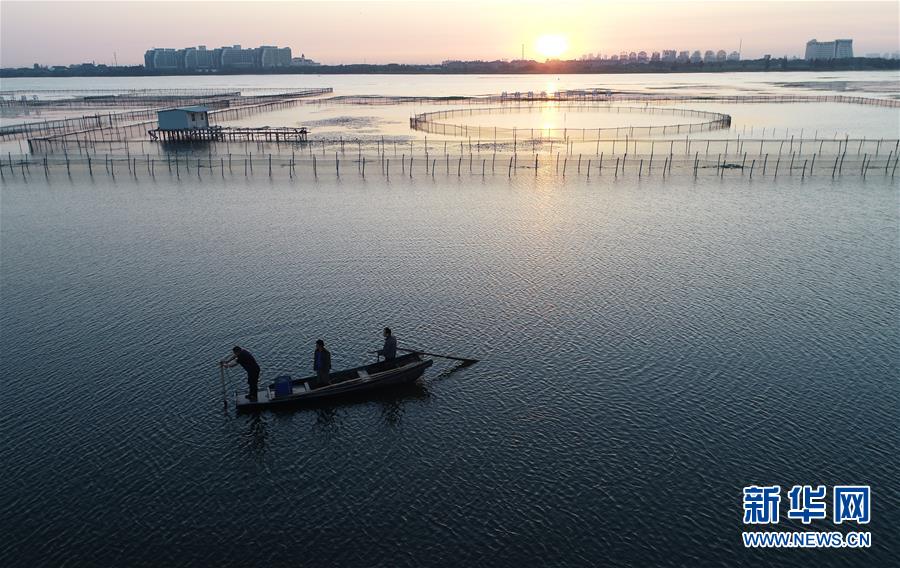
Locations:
column 222, row 378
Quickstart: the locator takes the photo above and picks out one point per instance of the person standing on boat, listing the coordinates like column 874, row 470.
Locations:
column 389, row 351
column 321, row 364
column 245, row 359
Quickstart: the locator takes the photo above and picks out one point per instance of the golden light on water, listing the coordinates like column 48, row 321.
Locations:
column 551, row 45
column 549, row 118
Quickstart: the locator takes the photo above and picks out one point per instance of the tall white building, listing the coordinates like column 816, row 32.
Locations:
column 235, row 56
column 163, row 59
column 843, row 48
column 837, row 49
column 272, row 56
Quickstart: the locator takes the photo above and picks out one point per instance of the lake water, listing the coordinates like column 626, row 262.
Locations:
column 648, row 348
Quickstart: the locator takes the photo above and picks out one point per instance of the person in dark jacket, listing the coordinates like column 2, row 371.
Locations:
column 389, row 351
column 321, row 364
column 245, row 359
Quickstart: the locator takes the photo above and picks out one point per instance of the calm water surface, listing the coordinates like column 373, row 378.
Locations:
column 647, row 350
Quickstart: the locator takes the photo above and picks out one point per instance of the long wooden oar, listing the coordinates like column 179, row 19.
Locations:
column 463, row 359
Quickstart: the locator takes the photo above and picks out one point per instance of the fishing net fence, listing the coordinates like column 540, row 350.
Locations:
column 122, row 125
column 428, row 122
column 881, row 160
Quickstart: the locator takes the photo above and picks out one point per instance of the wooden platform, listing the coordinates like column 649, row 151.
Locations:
column 225, row 133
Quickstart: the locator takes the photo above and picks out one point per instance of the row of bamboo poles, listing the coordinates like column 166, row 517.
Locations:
column 588, row 97
column 808, row 165
column 383, row 146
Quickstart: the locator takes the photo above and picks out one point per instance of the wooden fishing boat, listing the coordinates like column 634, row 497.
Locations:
column 383, row 374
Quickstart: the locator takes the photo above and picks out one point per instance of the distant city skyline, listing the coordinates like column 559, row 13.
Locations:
column 63, row 33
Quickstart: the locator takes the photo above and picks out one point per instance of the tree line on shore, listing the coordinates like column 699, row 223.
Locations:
column 483, row 67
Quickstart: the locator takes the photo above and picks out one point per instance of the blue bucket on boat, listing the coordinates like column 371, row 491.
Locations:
column 283, row 386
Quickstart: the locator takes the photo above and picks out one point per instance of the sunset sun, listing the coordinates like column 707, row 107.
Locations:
column 551, row 45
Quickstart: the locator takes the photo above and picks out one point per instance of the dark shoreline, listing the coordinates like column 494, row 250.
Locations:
column 481, row 68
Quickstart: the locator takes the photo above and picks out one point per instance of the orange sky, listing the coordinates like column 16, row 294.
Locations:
column 420, row 32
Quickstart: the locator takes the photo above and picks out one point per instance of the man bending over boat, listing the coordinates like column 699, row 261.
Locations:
column 321, row 364
column 389, row 351
column 245, row 359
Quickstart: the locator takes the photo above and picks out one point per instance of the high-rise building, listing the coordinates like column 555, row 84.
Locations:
column 237, row 57
column 837, row 49
column 709, row 56
column 721, row 55
column 669, row 55
column 843, row 49
column 233, row 57
column 654, row 56
column 696, row 57
column 271, row 56
column 201, row 59
column 163, row 59
column 684, row 56
column 734, row 56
